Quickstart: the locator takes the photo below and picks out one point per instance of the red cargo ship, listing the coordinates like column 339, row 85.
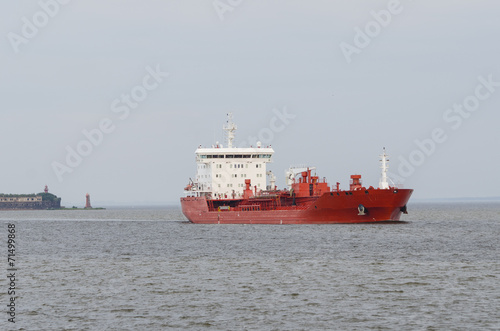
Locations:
column 230, row 188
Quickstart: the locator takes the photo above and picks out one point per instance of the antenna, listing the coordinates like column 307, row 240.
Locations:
column 230, row 128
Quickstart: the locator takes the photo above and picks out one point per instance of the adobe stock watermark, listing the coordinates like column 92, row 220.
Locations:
column 277, row 123
column 122, row 107
column 222, row 7
column 266, row 135
column 31, row 27
column 454, row 118
column 372, row 29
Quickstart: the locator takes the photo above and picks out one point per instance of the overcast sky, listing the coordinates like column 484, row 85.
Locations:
column 326, row 83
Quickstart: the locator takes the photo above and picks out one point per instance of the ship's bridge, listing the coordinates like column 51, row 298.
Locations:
column 208, row 154
column 221, row 172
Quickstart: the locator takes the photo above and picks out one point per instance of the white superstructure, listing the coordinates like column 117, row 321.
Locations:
column 221, row 171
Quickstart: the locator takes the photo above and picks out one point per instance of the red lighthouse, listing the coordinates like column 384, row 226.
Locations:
column 87, row 203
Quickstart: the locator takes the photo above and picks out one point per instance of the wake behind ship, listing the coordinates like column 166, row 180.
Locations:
column 231, row 188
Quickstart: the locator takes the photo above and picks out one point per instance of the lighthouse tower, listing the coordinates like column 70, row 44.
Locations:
column 87, row 203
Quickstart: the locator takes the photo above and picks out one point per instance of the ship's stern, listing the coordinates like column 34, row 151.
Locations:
column 194, row 207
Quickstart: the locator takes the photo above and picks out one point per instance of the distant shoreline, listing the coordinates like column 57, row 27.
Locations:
column 76, row 208
column 490, row 199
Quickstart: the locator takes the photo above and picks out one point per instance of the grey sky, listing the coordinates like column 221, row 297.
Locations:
column 256, row 59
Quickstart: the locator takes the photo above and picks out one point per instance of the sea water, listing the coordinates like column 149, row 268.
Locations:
column 149, row 269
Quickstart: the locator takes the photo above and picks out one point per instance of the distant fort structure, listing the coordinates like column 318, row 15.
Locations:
column 43, row 200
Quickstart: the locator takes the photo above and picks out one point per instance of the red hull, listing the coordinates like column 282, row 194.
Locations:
column 357, row 206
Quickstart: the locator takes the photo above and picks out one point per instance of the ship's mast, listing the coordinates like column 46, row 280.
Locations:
column 230, row 128
column 383, row 184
